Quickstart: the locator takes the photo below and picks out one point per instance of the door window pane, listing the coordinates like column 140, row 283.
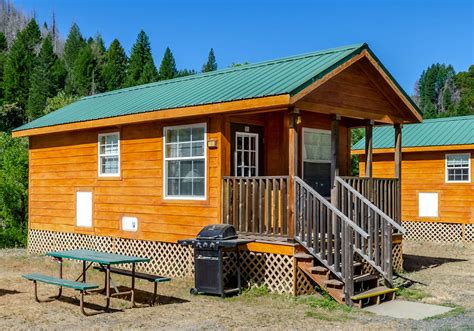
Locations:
column 246, row 154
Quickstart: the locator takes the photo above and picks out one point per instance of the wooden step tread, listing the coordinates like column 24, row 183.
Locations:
column 364, row 278
column 319, row 269
column 333, row 282
column 303, row 256
column 381, row 290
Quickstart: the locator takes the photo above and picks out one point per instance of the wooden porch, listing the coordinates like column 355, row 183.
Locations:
column 259, row 207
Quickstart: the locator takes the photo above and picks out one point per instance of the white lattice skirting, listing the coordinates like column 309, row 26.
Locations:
column 439, row 232
column 168, row 259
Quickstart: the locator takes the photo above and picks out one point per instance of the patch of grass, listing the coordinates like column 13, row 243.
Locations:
column 325, row 308
column 326, row 302
column 324, row 315
column 255, row 291
column 457, row 310
column 412, row 294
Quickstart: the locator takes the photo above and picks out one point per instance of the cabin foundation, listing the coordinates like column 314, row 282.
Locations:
column 270, row 264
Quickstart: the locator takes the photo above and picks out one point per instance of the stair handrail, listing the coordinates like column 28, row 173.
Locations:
column 336, row 211
column 371, row 205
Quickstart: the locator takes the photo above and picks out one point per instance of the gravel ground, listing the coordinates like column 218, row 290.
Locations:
column 447, row 271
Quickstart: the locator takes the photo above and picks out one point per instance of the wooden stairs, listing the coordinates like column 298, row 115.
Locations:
column 335, row 236
column 366, row 288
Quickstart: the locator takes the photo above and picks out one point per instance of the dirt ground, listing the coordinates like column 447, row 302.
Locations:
column 447, row 272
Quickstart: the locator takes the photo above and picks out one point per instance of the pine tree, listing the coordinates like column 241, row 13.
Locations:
column 3, row 57
column 73, row 46
column 84, row 70
column 168, row 66
column 115, row 66
column 435, row 90
column 211, row 64
column 141, row 68
column 3, row 43
column 19, row 64
column 74, row 43
column 185, row 72
column 43, row 83
column 464, row 82
column 98, row 50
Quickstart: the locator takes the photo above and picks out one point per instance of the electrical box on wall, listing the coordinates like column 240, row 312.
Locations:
column 129, row 223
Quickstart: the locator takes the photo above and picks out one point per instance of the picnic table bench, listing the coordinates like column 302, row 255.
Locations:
column 79, row 286
column 149, row 277
column 88, row 258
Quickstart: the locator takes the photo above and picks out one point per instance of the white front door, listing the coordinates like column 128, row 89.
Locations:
column 246, row 154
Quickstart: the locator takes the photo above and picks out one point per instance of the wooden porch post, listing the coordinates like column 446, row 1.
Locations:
column 368, row 149
column 293, row 116
column 334, row 156
column 398, row 169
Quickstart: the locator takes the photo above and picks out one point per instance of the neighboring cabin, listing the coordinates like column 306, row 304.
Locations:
column 135, row 170
column 437, row 176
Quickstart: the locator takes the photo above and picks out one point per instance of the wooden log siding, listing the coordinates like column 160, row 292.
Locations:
column 62, row 163
column 256, row 205
column 382, row 192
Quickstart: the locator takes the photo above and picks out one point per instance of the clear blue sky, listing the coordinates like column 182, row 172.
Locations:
column 406, row 35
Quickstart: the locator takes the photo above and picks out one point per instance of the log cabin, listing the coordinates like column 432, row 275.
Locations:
column 265, row 147
column 437, row 188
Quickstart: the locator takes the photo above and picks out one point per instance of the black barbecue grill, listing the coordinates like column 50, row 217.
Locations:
column 209, row 246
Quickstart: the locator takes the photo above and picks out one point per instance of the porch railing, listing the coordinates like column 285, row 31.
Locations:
column 382, row 192
column 326, row 233
column 256, row 205
column 377, row 250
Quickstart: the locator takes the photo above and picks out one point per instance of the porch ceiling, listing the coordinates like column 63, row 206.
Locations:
column 361, row 91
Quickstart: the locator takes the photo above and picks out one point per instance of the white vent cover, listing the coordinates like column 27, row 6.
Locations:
column 129, row 223
column 84, row 209
column 428, row 204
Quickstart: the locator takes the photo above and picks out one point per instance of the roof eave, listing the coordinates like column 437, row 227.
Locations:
column 412, row 149
column 274, row 102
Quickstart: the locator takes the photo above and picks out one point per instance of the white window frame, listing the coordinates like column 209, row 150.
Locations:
column 257, row 156
column 165, row 159
column 303, row 156
column 99, row 155
column 447, row 181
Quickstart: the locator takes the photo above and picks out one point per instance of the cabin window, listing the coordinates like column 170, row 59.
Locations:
column 109, row 154
column 185, row 161
column 317, row 159
column 457, row 168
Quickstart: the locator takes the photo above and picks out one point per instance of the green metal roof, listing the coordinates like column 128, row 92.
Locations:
column 433, row 132
column 282, row 76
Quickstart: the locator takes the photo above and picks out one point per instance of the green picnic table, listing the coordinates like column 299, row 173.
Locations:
column 89, row 257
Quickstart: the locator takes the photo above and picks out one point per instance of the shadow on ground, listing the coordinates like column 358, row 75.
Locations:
column 143, row 297
column 7, row 292
column 417, row 262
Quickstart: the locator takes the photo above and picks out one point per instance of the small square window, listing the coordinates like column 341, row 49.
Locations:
column 109, row 154
column 458, row 168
